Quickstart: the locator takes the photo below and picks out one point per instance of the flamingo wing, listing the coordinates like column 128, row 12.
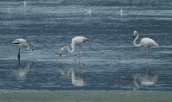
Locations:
column 147, row 42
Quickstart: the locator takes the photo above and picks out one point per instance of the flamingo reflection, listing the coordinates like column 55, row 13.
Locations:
column 76, row 80
column 145, row 80
column 20, row 72
column 62, row 72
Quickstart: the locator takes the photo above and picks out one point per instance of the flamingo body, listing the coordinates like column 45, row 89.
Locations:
column 147, row 42
column 78, row 40
column 20, row 42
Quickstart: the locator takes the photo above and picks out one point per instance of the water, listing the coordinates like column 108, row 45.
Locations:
column 111, row 61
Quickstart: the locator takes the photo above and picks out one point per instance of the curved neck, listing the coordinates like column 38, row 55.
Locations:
column 136, row 84
column 27, row 47
column 134, row 42
column 73, row 48
column 73, row 74
column 31, row 45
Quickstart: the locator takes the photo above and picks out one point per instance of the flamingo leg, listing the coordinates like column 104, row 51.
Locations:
column 81, row 55
column 83, row 51
column 79, row 58
column 19, row 53
column 19, row 56
column 147, row 49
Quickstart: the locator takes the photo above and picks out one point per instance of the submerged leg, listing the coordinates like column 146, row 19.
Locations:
column 79, row 60
column 19, row 56
column 19, row 53
column 19, row 61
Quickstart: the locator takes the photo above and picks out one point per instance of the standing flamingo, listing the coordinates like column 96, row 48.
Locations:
column 145, row 42
column 76, row 41
column 22, row 43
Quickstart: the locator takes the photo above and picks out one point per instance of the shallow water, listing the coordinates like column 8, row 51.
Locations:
column 111, row 61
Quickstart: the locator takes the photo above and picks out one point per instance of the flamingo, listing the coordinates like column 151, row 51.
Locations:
column 9, row 9
column 144, row 79
column 22, row 43
column 88, row 11
column 23, row 3
column 145, row 42
column 76, row 41
column 121, row 12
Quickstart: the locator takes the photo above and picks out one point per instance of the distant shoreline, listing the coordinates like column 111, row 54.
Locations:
column 84, row 96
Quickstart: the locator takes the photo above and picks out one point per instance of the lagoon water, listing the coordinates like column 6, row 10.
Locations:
column 111, row 61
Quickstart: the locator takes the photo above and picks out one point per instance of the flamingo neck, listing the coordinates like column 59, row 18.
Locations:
column 27, row 47
column 136, row 84
column 73, row 74
column 73, row 48
column 134, row 42
column 31, row 45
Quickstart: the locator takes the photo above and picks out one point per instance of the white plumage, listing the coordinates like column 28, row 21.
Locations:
column 145, row 42
column 22, row 43
column 75, row 41
column 78, row 81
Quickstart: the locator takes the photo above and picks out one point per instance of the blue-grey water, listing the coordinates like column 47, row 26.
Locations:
column 111, row 61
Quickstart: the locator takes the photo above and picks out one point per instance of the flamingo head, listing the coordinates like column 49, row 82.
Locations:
column 134, row 33
column 86, row 39
column 61, row 52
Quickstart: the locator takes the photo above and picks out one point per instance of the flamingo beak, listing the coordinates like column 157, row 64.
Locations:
column 60, row 54
column 156, row 44
column 88, row 39
column 11, row 43
column 133, row 36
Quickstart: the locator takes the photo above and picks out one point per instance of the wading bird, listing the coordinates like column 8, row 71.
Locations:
column 76, row 41
column 145, row 42
column 22, row 43
column 23, row 3
column 88, row 11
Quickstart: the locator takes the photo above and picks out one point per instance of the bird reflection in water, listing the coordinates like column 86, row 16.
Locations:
column 20, row 72
column 146, row 79
column 76, row 80
column 62, row 72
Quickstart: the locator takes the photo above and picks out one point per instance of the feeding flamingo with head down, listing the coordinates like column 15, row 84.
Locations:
column 22, row 43
column 75, row 41
column 145, row 42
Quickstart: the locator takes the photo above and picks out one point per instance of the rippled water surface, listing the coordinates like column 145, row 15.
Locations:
column 111, row 61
